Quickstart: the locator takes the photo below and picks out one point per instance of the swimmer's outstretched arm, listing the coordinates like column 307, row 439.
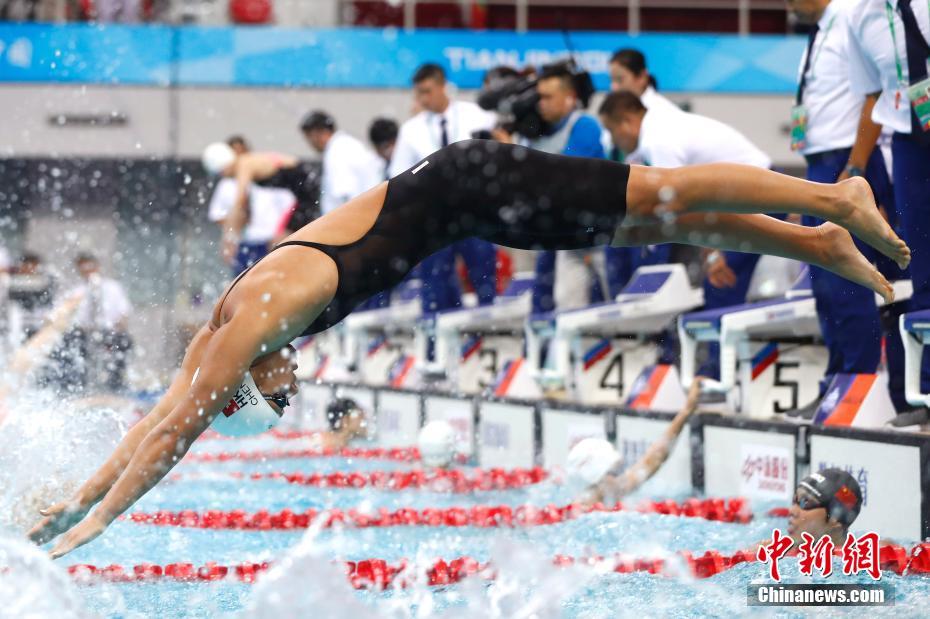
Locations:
column 62, row 516
column 613, row 487
column 252, row 330
column 227, row 355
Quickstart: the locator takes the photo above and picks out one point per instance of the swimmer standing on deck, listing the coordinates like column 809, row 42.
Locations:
column 503, row 193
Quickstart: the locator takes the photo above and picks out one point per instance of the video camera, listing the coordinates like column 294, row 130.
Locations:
column 513, row 96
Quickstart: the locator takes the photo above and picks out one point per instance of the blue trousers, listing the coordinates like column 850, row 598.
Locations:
column 441, row 289
column 849, row 320
column 248, row 254
column 742, row 265
column 911, row 168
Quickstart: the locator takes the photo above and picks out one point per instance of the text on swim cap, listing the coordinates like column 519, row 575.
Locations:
column 243, row 397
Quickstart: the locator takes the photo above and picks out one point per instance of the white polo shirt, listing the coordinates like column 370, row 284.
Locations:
column 104, row 305
column 671, row 140
column 267, row 205
column 652, row 100
column 832, row 108
column 872, row 65
column 349, row 168
column 421, row 135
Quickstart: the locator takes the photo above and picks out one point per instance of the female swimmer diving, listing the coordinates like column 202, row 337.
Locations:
column 506, row 194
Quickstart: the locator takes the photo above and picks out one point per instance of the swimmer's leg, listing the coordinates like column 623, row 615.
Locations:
column 733, row 188
column 828, row 246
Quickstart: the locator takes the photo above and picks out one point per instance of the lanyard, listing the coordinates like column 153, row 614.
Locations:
column 889, row 11
column 823, row 42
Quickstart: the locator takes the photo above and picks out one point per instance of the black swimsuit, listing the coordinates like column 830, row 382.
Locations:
column 509, row 195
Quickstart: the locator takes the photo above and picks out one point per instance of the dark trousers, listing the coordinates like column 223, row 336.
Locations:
column 911, row 167
column 441, row 288
column 248, row 254
column 88, row 361
column 849, row 319
column 743, row 265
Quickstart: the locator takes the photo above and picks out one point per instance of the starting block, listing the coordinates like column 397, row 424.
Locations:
column 599, row 353
column 856, row 400
column 915, row 333
column 738, row 329
column 755, row 340
column 377, row 342
column 473, row 345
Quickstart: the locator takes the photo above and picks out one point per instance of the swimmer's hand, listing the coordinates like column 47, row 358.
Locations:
column 86, row 531
column 57, row 519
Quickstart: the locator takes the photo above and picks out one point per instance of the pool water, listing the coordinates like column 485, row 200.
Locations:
column 308, row 580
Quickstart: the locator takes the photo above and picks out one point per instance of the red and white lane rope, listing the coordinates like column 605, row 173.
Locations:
column 380, row 574
column 483, row 516
column 285, row 435
column 396, row 454
column 452, row 480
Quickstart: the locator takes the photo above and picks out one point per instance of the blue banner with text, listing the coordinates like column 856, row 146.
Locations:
column 375, row 58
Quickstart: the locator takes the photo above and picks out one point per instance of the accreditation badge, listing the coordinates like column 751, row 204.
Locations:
column 919, row 94
column 798, row 127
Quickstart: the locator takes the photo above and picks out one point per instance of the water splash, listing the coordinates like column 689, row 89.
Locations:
column 32, row 586
column 47, row 449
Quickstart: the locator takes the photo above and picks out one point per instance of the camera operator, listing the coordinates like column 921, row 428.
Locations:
column 551, row 118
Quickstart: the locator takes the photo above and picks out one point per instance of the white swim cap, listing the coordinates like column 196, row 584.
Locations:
column 217, row 157
column 246, row 413
column 589, row 460
column 437, row 443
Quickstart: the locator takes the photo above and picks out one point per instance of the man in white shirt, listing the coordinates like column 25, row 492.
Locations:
column 672, row 139
column 101, row 322
column 832, row 128
column 441, row 122
column 382, row 133
column 889, row 43
column 628, row 72
column 349, row 167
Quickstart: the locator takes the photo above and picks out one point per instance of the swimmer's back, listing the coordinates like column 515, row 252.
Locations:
column 511, row 195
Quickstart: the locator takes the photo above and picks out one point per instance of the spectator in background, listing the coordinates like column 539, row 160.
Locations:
column 349, row 168
column 628, row 72
column 888, row 50
column 101, row 324
column 568, row 279
column 382, row 133
column 32, row 289
column 443, row 121
column 837, row 137
column 675, row 139
column 267, row 206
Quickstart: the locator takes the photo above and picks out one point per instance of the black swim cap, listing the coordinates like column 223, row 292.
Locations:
column 339, row 408
column 837, row 491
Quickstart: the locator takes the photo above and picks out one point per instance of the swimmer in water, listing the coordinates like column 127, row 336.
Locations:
column 615, row 485
column 825, row 503
column 347, row 421
column 503, row 193
column 266, row 170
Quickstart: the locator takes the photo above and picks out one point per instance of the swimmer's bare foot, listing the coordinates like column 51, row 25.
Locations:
column 858, row 214
column 841, row 256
